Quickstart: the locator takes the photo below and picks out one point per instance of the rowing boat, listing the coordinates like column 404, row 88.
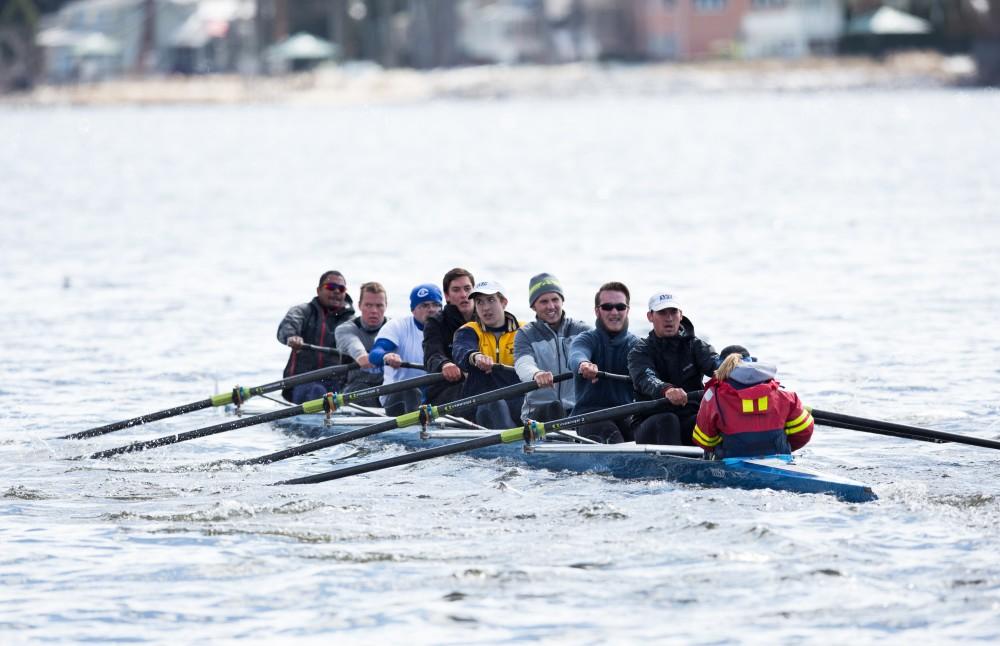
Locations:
column 681, row 464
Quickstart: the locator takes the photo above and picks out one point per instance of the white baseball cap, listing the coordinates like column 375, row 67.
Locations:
column 662, row 301
column 487, row 287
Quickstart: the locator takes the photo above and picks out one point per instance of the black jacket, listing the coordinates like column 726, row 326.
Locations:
column 439, row 334
column 681, row 361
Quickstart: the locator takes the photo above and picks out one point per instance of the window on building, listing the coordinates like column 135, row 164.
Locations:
column 707, row 6
column 768, row 4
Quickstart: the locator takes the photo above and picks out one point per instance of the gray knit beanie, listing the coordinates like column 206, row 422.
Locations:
column 541, row 284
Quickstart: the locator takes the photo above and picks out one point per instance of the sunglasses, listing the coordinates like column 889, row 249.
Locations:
column 335, row 287
column 607, row 307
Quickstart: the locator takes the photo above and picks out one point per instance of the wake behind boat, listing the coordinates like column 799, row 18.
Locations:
column 682, row 464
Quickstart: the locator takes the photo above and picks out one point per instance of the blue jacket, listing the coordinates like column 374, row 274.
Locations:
column 611, row 355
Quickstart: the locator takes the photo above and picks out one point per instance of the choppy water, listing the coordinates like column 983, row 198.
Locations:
column 148, row 255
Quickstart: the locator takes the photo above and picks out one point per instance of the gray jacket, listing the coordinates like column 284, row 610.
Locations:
column 537, row 347
column 355, row 340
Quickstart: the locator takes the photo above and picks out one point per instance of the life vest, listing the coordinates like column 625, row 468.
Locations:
column 755, row 420
column 500, row 347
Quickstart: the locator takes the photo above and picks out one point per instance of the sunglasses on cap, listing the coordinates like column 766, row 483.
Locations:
column 607, row 307
column 335, row 287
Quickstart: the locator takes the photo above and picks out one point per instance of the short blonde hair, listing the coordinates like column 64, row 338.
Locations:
column 371, row 288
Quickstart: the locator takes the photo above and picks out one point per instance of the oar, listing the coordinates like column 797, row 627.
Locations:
column 527, row 433
column 235, row 396
column 325, row 350
column 612, row 376
column 864, row 428
column 331, row 402
column 409, row 419
column 322, row 349
column 898, row 430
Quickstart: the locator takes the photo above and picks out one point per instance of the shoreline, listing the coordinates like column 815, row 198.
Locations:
column 360, row 83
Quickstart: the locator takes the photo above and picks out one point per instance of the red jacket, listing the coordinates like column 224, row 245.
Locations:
column 755, row 420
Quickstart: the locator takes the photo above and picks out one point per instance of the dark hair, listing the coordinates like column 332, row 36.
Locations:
column 327, row 274
column 371, row 287
column 457, row 272
column 613, row 286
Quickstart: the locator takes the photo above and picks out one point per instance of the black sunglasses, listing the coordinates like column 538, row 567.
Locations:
column 335, row 287
column 607, row 307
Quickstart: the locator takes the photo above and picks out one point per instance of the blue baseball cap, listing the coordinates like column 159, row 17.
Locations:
column 423, row 293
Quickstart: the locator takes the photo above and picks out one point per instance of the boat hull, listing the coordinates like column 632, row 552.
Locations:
column 627, row 461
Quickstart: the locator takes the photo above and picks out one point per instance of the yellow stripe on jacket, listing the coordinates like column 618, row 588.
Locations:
column 800, row 423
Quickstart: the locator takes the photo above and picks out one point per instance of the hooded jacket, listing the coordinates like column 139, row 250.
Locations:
column 750, row 415
column 537, row 347
column 610, row 354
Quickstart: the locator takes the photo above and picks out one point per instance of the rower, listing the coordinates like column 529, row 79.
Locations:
column 541, row 349
column 605, row 348
column 401, row 340
column 439, row 333
column 670, row 363
column 315, row 323
column 356, row 337
column 483, row 343
column 746, row 413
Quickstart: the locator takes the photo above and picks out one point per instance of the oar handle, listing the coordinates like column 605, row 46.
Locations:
column 322, row 349
column 614, row 377
column 302, row 378
column 335, row 351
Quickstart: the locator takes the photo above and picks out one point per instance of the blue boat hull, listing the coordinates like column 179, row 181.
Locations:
column 632, row 462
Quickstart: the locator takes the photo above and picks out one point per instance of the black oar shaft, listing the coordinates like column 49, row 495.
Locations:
column 399, row 460
column 243, row 422
column 220, row 399
column 606, row 414
column 902, row 430
column 323, row 443
column 612, row 376
column 874, row 430
column 304, row 378
column 314, row 406
column 142, row 419
column 456, row 407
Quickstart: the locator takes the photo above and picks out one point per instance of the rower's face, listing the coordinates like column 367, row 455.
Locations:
column 489, row 308
column 425, row 310
column 666, row 322
column 372, row 309
column 458, row 295
column 548, row 307
column 332, row 293
column 611, row 312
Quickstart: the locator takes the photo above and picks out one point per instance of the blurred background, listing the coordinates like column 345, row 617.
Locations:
column 60, row 42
